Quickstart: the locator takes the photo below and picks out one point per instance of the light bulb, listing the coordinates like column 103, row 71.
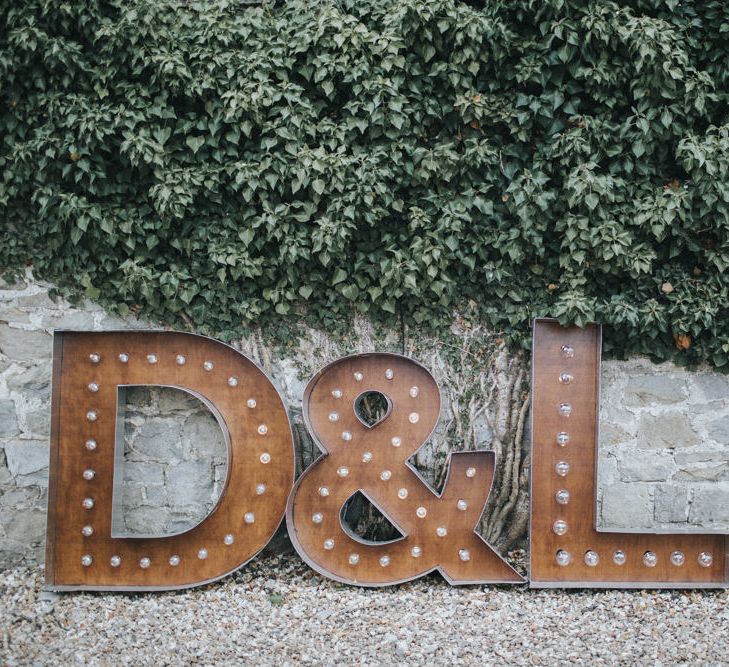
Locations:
column 265, row 458
column 251, row 402
column 591, row 558
column 705, row 559
column 414, row 391
column 650, row 559
column 232, row 381
column 86, row 560
column 562, row 496
column 249, row 517
column 563, row 558
column 562, row 468
column 389, row 374
column 559, row 527
column 619, row 557
column 385, row 475
column 152, row 358
column 329, row 544
column 678, row 558
column 384, row 561
column 565, row 409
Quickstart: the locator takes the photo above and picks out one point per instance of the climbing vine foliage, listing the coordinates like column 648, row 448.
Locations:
column 213, row 164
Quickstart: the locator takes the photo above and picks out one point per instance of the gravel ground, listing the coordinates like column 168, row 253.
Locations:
column 276, row 611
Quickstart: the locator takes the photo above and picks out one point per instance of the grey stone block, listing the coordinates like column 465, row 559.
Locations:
column 627, row 506
column 8, row 419
column 38, row 422
column 668, row 430
column 147, row 520
column 35, row 381
column 157, row 440
column 190, row 483
column 28, row 527
column 139, row 472
column 711, row 386
column 719, row 430
column 26, row 456
column 671, row 504
column 645, row 390
column 711, row 472
column 26, row 346
column 646, row 467
column 175, row 400
column 710, row 505
column 201, row 433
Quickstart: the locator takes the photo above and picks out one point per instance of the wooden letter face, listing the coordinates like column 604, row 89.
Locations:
column 438, row 531
column 82, row 552
column 566, row 549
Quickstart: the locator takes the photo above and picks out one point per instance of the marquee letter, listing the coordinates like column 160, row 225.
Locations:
column 566, row 549
column 438, row 531
column 88, row 368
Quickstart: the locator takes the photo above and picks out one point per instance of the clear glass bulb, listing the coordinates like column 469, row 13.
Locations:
column 414, row 418
column 249, row 517
column 329, row 544
column 88, row 474
column 591, row 558
column 563, row 558
column 174, row 560
column 565, row 409
column 124, row 357
column 152, row 358
column 559, row 527
column 353, row 559
column 87, row 531
column 563, row 438
column 464, row 554
column 228, row 539
column 366, row 457
column 94, row 357
column 678, row 558
column 384, row 561
column 91, row 445
column 562, row 468
column 115, row 561
column 144, row 563
column 385, row 475
column 358, row 376
column 92, row 416
column 251, row 402
column 208, row 365
column 619, row 557
column 342, row 471
column 260, row 489
column 86, row 560
column 414, row 391
column 346, row 436
column 337, row 393
column 180, row 360
column 562, row 496
column 402, row 494
column 317, row 517
column 88, row 503
column 265, row 458
column 93, row 387
column 232, row 381
column 416, row 552
column 202, row 554
column 396, row 442
column 389, row 374
column 705, row 559
column 441, row 531
column 462, row 505
column 568, row 351
column 565, row 377
column 323, row 491
column 470, row 472
column 262, row 429
column 333, row 416
column 421, row 512
column 650, row 559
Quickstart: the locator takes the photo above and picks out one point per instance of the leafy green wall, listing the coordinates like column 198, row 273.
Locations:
column 212, row 164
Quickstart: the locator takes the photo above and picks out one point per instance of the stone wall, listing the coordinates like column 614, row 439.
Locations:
column 664, row 449
column 664, row 455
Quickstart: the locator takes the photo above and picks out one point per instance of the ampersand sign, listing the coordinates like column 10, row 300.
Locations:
column 437, row 530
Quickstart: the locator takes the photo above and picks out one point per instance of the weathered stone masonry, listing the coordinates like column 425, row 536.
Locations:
column 664, row 455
